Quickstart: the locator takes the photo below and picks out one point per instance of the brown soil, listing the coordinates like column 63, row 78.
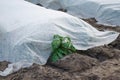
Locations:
column 99, row 63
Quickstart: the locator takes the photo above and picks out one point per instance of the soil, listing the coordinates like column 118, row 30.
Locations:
column 99, row 63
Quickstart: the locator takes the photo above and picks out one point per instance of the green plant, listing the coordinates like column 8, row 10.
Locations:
column 61, row 46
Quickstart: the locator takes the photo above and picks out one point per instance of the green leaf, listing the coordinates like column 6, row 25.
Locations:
column 56, row 42
column 54, row 57
column 60, row 55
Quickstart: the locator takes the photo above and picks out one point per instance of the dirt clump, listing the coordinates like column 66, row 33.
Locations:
column 114, row 76
column 3, row 65
column 76, row 62
column 102, row 53
column 37, row 72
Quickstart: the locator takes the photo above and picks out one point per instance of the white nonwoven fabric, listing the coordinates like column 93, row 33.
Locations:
column 13, row 67
column 27, row 30
column 104, row 11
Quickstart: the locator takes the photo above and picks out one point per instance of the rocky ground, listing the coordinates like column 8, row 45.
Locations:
column 99, row 63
